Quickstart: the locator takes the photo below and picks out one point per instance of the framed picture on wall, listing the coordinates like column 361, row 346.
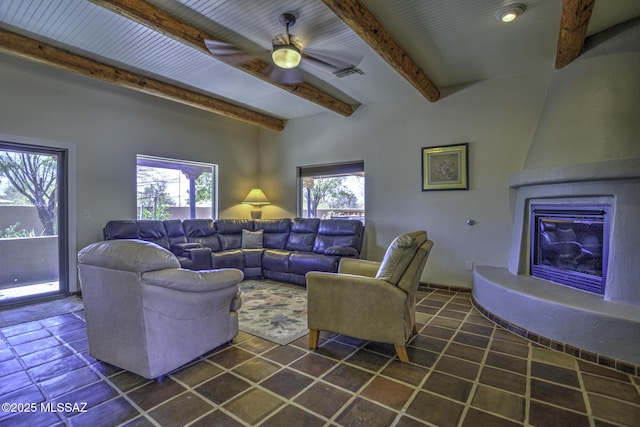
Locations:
column 445, row 167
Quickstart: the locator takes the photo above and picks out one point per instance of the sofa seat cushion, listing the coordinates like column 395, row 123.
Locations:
column 228, row 259
column 303, row 262
column 253, row 257
column 276, row 260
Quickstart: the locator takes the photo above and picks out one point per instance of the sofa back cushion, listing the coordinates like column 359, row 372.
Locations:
column 336, row 233
column 230, row 232
column 202, row 231
column 303, row 234
column 121, row 229
column 175, row 231
column 153, row 231
column 275, row 232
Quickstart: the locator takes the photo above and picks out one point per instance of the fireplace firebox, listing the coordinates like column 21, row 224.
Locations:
column 569, row 245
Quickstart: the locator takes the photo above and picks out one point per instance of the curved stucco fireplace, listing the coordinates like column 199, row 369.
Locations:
column 608, row 324
column 585, row 152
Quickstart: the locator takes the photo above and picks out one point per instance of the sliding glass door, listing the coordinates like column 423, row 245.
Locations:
column 33, row 223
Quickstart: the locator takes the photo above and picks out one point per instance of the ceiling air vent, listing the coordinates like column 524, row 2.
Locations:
column 348, row 71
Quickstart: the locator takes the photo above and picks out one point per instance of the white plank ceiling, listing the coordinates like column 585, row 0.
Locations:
column 453, row 41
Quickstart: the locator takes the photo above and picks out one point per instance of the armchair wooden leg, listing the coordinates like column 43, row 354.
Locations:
column 314, row 334
column 402, row 353
column 415, row 329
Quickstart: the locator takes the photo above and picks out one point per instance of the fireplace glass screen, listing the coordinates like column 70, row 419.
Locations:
column 569, row 246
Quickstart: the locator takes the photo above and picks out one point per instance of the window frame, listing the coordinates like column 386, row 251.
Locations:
column 66, row 221
column 160, row 160
column 327, row 169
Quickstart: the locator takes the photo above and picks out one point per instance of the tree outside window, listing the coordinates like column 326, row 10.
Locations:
column 166, row 188
column 332, row 191
column 153, row 198
column 33, row 180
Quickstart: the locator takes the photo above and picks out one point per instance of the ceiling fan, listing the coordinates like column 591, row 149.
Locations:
column 286, row 56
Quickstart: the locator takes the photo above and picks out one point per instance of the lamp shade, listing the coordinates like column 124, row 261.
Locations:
column 256, row 197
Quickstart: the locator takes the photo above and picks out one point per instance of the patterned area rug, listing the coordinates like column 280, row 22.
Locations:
column 275, row 313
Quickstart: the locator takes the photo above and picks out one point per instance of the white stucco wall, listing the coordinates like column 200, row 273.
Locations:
column 108, row 126
column 498, row 119
column 593, row 104
column 588, row 111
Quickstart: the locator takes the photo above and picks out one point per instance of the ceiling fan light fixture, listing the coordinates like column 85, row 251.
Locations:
column 286, row 56
column 510, row 13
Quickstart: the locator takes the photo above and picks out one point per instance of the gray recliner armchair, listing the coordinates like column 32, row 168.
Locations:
column 374, row 301
column 147, row 315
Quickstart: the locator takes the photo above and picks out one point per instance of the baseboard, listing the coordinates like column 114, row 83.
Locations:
column 431, row 285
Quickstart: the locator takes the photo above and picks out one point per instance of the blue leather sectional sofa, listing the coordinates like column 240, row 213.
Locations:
column 278, row 249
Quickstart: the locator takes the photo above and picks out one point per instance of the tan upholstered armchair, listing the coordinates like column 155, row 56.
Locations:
column 370, row 300
column 148, row 316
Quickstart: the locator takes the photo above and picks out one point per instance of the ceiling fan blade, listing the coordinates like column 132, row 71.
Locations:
column 329, row 63
column 229, row 53
column 288, row 76
column 321, row 64
column 219, row 48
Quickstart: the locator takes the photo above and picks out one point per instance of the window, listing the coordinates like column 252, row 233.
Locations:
column 176, row 189
column 331, row 191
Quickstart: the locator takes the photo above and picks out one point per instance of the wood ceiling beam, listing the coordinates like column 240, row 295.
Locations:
column 356, row 15
column 573, row 29
column 23, row 47
column 158, row 20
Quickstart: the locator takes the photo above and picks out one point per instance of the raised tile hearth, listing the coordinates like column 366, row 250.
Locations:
column 607, row 324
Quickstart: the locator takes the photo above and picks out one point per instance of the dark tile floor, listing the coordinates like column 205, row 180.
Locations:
column 465, row 372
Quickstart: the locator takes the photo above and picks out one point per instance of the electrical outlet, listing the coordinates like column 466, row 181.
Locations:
column 468, row 266
column 86, row 214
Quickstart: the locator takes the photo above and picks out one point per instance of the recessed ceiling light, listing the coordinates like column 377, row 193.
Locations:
column 510, row 13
